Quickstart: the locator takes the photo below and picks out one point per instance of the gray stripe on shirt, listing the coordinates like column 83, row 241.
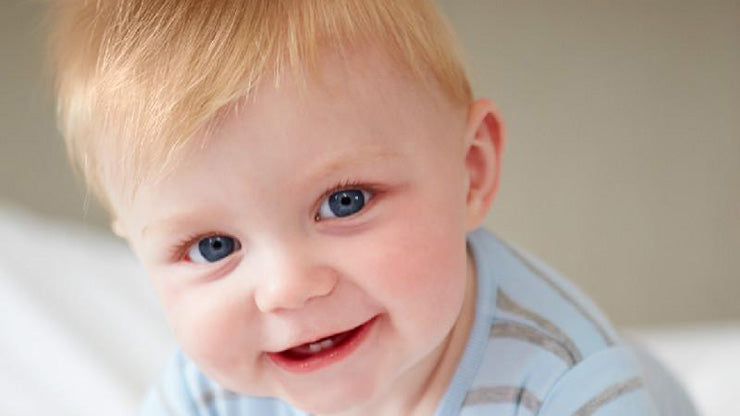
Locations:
column 562, row 293
column 515, row 330
column 210, row 396
column 506, row 303
column 608, row 395
column 503, row 394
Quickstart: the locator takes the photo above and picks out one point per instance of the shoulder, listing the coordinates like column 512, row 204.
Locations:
column 608, row 382
column 184, row 390
column 525, row 292
column 549, row 348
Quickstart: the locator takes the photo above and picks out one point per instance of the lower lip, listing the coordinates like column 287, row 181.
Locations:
column 322, row 360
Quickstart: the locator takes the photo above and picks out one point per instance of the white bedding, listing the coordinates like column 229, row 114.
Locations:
column 83, row 335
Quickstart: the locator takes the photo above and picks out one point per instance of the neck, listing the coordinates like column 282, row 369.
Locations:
column 418, row 392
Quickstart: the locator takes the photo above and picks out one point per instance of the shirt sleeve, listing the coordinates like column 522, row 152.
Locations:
column 607, row 383
column 170, row 396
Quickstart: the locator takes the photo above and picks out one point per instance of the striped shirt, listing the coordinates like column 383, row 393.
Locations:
column 538, row 346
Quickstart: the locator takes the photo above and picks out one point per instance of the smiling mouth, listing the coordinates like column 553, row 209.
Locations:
column 322, row 345
column 321, row 352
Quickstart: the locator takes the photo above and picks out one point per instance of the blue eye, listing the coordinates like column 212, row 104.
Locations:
column 212, row 249
column 343, row 203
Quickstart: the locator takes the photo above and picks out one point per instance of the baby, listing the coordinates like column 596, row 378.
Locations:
column 304, row 182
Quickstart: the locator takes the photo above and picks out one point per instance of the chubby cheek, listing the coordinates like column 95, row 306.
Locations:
column 210, row 323
column 418, row 274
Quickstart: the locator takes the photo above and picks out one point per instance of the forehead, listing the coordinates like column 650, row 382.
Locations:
column 358, row 84
column 359, row 108
column 359, row 100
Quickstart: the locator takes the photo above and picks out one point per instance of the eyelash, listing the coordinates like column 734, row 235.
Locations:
column 342, row 185
column 179, row 250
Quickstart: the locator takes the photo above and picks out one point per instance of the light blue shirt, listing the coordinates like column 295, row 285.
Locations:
column 538, row 346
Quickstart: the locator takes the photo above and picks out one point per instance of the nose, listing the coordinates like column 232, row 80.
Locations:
column 291, row 278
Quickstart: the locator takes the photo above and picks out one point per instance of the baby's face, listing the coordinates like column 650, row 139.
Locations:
column 314, row 248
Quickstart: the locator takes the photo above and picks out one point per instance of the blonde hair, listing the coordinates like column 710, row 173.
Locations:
column 136, row 79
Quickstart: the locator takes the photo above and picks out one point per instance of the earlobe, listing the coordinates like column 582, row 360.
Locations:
column 117, row 229
column 484, row 145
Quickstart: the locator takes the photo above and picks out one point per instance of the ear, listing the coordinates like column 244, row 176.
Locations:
column 117, row 228
column 484, row 144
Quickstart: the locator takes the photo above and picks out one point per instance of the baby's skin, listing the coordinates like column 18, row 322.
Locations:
column 311, row 246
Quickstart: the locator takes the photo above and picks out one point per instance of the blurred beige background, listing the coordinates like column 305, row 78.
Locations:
column 623, row 162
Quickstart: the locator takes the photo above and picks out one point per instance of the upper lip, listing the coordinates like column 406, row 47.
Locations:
column 306, row 340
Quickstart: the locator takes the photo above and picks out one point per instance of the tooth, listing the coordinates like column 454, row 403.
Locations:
column 314, row 347
column 327, row 343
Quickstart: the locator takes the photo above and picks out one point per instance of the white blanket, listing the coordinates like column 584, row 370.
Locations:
column 82, row 334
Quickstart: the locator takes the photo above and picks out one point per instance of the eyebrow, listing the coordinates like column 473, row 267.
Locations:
column 174, row 221
column 339, row 161
column 335, row 163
